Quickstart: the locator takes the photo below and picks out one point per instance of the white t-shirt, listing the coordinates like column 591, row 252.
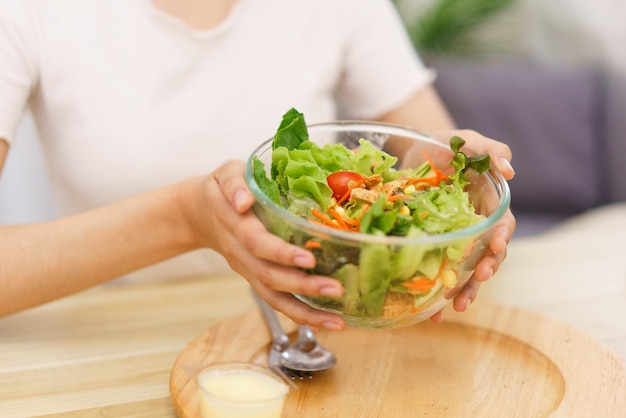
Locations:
column 127, row 98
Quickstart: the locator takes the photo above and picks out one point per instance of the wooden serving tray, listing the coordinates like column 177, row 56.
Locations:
column 492, row 361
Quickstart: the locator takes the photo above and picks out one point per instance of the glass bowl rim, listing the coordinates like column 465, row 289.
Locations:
column 498, row 180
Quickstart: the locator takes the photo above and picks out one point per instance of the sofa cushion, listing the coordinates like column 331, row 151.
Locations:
column 615, row 134
column 551, row 120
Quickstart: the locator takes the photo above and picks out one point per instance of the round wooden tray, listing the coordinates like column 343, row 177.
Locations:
column 490, row 361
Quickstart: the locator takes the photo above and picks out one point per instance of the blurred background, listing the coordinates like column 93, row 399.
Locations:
column 558, row 33
column 546, row 77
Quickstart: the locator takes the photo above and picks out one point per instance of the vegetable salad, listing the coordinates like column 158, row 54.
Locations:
column 361, row 191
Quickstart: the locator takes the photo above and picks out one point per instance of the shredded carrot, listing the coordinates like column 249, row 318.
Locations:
column 325, row 219
column 395, row 197
column 331, row 225
column 346, row 195
column 432, row 166
column 312, row 244
column 424, row 214
column 337, row 221
column 352, row 222
column 338, row 218
column 420, row 284
column 423, row 182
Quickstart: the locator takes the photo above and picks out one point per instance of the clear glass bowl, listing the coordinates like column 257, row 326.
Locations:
column 489, row 193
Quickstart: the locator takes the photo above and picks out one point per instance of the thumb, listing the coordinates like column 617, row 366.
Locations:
column 232, row 182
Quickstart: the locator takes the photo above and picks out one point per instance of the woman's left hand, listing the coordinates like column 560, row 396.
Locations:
column 500, row 156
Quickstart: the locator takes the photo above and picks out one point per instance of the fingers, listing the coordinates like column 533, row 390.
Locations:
column 487, row 266
column 231, row 179
column 466, row 296
column 438, row 317
column 503, row 233
column 300, row 312
column 503, row 165
column 500, row 238
column 276, row 283
column 286, row 279
column 499, row 152
column 247, row 228
column 496, row 253
column 253, row 238
column 265, row 260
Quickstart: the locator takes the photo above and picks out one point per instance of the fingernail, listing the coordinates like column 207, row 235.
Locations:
column 332, row 325
column 506, row 163
column 468, row 303
column 304, row 261
column 330, row 291
column 241, row 199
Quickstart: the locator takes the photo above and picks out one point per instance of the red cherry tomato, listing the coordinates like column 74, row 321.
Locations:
column 341, row 181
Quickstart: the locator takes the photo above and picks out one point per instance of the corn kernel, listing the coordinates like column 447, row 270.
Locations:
column 449, row 278
column 410, row 189
column 404, row 210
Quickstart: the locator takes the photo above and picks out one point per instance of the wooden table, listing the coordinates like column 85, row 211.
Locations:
column 109, row 351
column 575, row 273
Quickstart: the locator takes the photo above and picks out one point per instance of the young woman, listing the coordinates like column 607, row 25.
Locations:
column 146, row 109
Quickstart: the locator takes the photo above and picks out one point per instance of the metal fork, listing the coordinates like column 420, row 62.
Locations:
column 280, row 341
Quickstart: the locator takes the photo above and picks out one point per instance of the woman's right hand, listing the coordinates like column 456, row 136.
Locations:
column 223, row 220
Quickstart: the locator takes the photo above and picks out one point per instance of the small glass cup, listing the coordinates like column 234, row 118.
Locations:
column 241, row 390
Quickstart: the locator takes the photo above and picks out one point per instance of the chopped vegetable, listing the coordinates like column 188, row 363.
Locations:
column 311, row 244
column 342, row 182
column 360, row 191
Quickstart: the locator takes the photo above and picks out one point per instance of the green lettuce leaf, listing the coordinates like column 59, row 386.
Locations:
column 269, row 187
column 292, row 130
column 371, row 160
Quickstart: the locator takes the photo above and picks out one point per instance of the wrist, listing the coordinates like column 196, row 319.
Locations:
column 184, row 212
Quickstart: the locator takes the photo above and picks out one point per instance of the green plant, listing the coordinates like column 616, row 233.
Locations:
column 447, row 22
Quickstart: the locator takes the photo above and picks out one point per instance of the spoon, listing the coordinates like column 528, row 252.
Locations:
column 307, row 354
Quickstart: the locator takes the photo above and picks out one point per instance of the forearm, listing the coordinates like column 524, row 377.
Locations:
column 44, row 261
column 424, row 111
